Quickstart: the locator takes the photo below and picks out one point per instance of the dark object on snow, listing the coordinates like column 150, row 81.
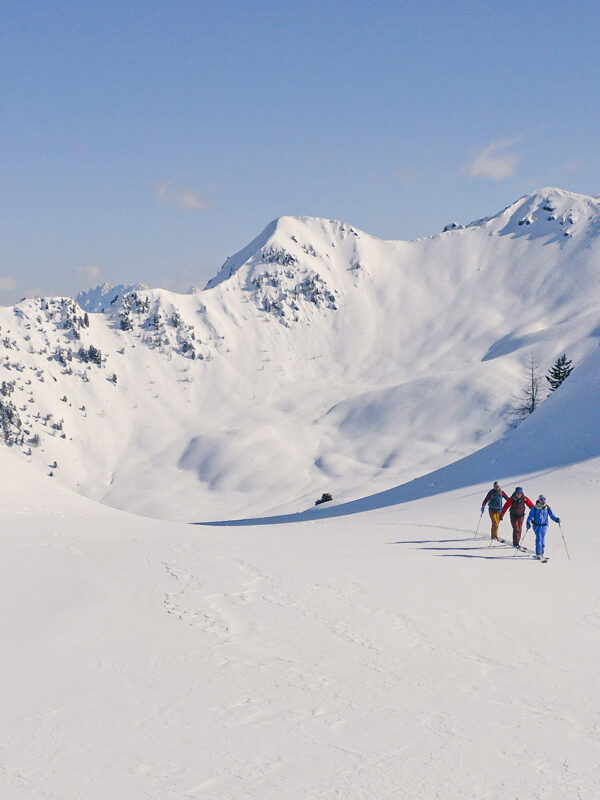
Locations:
column 325, row 498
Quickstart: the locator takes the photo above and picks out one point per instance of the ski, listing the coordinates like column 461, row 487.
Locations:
column 525, row 552
column 525, row 549
column 519, row 548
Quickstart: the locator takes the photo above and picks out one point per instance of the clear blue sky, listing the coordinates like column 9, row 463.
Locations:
column 146, row 140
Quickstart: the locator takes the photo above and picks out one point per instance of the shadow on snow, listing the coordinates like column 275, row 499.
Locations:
column 557, row 435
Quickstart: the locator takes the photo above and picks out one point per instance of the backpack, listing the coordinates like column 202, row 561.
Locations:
column 495, row 502
column 517, row 507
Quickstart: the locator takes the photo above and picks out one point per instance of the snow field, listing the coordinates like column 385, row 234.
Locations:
column 382, row 654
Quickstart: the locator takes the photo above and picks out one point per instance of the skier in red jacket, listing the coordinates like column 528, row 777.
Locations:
column 516, row 503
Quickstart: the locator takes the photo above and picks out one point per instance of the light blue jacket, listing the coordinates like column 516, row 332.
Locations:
column 539, row 515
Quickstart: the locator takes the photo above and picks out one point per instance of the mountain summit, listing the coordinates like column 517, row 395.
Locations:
column 553, row 213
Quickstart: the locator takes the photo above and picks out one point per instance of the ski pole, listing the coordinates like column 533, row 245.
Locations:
column 522, row 539
column 478, row 524
column 563, row 538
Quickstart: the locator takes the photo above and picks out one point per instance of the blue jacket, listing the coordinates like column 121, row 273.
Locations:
column 539, row 516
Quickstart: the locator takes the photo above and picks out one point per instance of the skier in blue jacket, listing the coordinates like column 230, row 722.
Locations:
column 539, row 517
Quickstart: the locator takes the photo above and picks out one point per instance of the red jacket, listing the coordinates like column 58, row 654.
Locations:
column 512, row 499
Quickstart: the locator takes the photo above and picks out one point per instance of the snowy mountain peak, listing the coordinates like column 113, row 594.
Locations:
column 295, row 260
column 100, row 297
column 551, row 213
column 297, row 243
column 557, row 204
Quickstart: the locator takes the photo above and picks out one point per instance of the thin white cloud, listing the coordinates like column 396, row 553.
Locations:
column 87, row 275
column 7, row 283
column 495, row 161
column 169, row 192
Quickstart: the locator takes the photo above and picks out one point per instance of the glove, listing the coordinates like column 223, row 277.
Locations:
column 558, row 520
column 528, row 525
column 501, row 517
column 482, row 509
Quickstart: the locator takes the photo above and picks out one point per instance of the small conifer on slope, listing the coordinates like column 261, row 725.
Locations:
column 560, row 370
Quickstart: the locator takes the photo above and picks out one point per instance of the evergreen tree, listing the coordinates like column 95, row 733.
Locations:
column 559, row 372
column 325, row 498
column 530, row 398
column 95, row 355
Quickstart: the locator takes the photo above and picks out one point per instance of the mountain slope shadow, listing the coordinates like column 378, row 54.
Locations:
column 562, row 431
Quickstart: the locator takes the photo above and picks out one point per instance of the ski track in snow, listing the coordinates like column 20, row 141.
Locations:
column 390, row 655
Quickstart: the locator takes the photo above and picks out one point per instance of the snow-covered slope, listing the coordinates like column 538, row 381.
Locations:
column 563, row 432
column 319, row 359
column 102, row 296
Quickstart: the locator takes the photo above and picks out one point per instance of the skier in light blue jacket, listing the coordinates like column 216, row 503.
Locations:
column 539, row 517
